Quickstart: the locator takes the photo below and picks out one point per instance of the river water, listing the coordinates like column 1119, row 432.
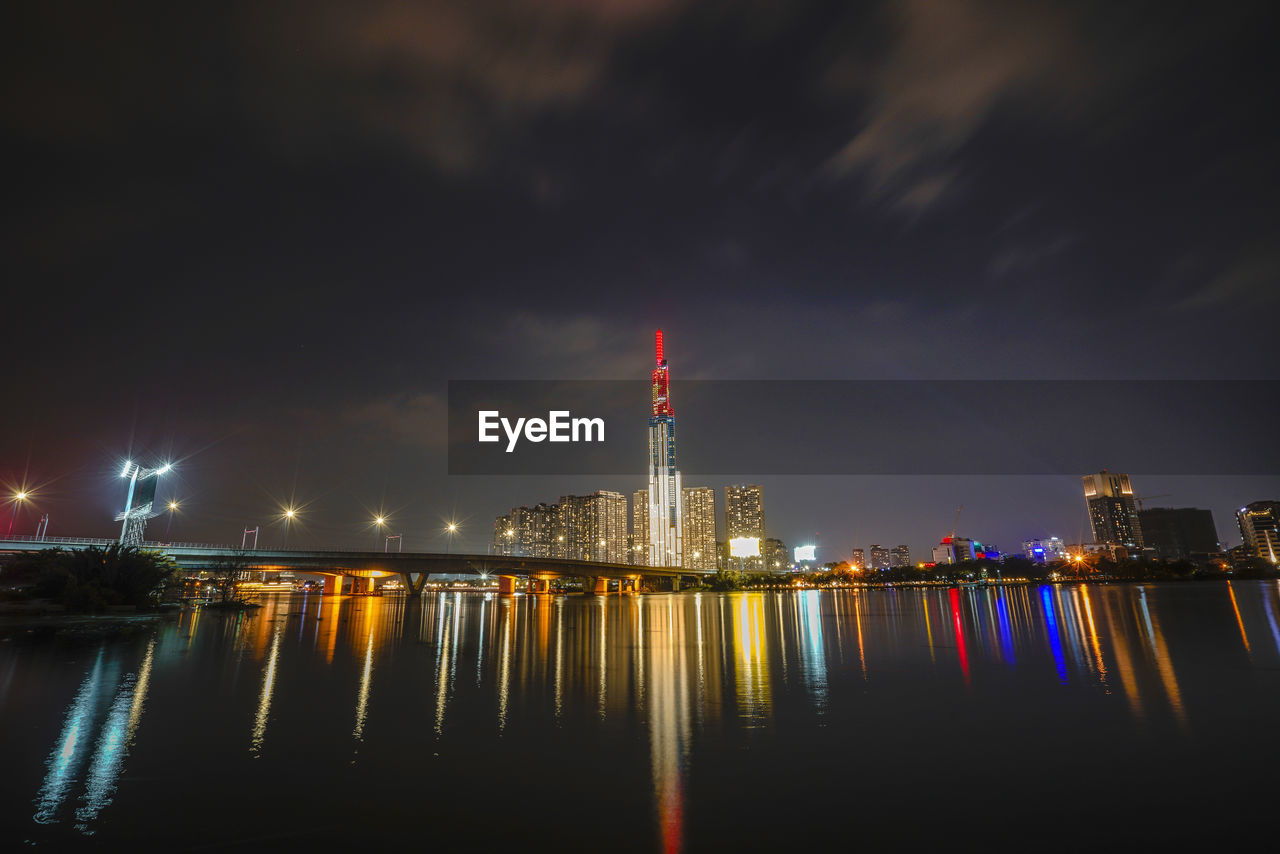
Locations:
column 1047, row 717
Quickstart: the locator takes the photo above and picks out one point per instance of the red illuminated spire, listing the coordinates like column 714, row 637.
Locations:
column 661, row 390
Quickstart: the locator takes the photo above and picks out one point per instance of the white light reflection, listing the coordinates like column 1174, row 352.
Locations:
column 264, row 699
column 64, row 760
column 366, row 679
column 114, row 742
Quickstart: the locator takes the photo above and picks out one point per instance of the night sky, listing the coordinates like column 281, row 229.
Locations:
column 259, row 239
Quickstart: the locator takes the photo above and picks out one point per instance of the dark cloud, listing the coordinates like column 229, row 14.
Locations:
column 264, row 236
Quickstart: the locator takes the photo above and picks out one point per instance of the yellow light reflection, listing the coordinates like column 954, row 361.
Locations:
column 1244, row 636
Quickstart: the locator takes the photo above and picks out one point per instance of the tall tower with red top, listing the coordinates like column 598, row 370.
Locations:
column 666, row 516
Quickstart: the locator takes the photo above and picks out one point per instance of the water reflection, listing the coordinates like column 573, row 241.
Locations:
column 476, row 671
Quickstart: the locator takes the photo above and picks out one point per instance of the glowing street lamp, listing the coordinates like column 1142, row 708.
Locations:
column 289, row 514
column 378, row 522
column 19, row 497
column 450, row 529
column 173, row 506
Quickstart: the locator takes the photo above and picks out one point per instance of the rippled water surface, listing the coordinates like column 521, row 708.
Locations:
column 1049, row 717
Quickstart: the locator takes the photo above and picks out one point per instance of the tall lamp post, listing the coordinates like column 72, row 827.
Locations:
column 378, row 522
column 18, row 498
column 450, row 529
column 287, row 516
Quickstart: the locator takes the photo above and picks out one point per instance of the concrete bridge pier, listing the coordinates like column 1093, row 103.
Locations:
column 597, row 585
column 414, row 582
column 507, row 584
column 539, row 585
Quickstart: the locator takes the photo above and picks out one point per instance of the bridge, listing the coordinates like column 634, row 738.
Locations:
column 413, row 567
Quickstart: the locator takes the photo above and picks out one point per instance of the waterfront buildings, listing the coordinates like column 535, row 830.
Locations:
column 957, row 550
column 859, row 560
column 666, row 534
column 1047, row 550
column 1177, row 533
column 744, row 517
column 699, row 508
column 900, row 556
column 1113, row 513
column 879, row 557
column 578, row 527
column 1260, row 529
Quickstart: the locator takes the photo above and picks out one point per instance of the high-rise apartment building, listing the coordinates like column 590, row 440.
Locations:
column 640, row 528
column 900, row 556
column 591, row 527
column 879, row 557
column 776, row 558
column 666, row 534
column 532, row 530
column 1113, row 513
column 859, row 559
column 744, row 517
column 1176, row 533
column 699, row 508
column 503, row 536
column 1260, row 529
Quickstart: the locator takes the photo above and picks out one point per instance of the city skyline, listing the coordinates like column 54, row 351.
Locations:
column 272, row 289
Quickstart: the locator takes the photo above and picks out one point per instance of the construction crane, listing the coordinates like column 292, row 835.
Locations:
column 1140, row 498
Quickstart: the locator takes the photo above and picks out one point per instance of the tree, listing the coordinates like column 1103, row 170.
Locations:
column 227, row 572
column 93, row 578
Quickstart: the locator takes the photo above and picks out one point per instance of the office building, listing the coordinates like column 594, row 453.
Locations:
column 859, row 560
column 1177, row 533
column 900, row 556
column 957, row 550
column 1047, row 550
column 1260, row 529
column 879, row 557
column 1113, row 513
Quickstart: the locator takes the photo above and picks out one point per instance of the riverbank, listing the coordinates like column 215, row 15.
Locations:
column 16, row 626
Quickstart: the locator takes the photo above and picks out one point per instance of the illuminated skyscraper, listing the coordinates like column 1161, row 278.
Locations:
column 1260, row 529
column 640, row 528
column 859, row 559
column 744, row 517
column 699, row 505
column 900, row 556
column 1113, row 513
column 879, row 556
column 666, row 534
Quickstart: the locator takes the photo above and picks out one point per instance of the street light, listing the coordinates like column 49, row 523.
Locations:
column 378, row 522
column 173, row 505
column 288, row 516
column 19, row 497
column 451, row 529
